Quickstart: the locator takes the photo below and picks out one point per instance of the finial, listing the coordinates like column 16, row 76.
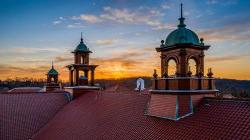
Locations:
column 81, row 38
column 181, row 19
column 52, row 66
column 201, row 40
column 162, row 43
column 210, row 73
column 155, row 74
column 181, row 10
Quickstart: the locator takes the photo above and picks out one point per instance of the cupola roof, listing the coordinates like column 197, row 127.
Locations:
column 52, row 71
column 182, row 35
column 82, row 47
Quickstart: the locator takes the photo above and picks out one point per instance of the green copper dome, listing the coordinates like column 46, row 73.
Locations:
column 182, row 35
column 52, row 71
column 81, row 47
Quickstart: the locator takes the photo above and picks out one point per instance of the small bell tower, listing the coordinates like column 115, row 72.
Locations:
column 52, row 79
column 81, row 63
column 174, row 96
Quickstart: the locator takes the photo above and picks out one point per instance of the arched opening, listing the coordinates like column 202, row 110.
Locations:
column 81, row 73
column 171, row 67
column 193, row 66
column 52, row 79
column 82, row 60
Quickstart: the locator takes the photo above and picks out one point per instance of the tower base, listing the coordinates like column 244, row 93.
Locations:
column 175, row 104
column 77, row 91
column 52, row 87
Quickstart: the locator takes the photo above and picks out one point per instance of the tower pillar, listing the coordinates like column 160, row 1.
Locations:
column 77, row 77
column 71, row 79
column 92, row 77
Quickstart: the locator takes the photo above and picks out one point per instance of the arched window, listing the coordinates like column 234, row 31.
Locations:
column 192, row 66
column 81, row 73
column 52, row 79
column 82, row 60
column 171, row 67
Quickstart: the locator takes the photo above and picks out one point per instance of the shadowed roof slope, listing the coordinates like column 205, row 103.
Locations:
column 121, row 117
column 22, row 115
column 23, row 90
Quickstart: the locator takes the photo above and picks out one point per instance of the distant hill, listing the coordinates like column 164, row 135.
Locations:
column 234, row 87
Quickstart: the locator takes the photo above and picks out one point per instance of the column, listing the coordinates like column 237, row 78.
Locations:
column 162, row 64
column 183, row 63
column 197, row 68
column 92, row 77
column 71, row 77
column 76, row 77
column 202, row 62
column 86, row 73
column 48, row 79
column 166, row 69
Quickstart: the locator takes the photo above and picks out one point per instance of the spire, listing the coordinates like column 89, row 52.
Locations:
column 52, row 66
column 181, row 11
column 81, row 38
column 181, row 19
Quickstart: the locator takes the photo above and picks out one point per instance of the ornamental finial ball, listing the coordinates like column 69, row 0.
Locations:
column 201, row 40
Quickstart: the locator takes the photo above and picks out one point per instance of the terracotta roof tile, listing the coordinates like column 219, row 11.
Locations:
column 21, row 115
column 121, row 116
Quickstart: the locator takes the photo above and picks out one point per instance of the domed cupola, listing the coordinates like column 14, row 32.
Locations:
column 52, row 71
column 181, row 35
column 81, row 47
column 52, row 80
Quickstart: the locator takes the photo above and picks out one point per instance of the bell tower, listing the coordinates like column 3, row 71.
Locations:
column 81, row 63
column 52, row 79
column 175, row 96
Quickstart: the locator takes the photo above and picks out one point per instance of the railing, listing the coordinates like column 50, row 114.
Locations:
column 184, row 83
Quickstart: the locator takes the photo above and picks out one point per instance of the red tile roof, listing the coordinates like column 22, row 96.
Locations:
column 21, row 115
column 121, row 116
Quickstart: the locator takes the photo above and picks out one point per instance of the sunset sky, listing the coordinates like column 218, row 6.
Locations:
column 122, row 34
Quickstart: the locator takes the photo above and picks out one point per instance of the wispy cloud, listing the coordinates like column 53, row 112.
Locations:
column 167, row 5
column 63, row 59
column 150, row 17
column 106, row 42
column 88, row 18
column 222, row 2
column 9, row 71
column 234, row 30
column 57, row 22
column 29, row 50
column 76, row 25
column 227, row 58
